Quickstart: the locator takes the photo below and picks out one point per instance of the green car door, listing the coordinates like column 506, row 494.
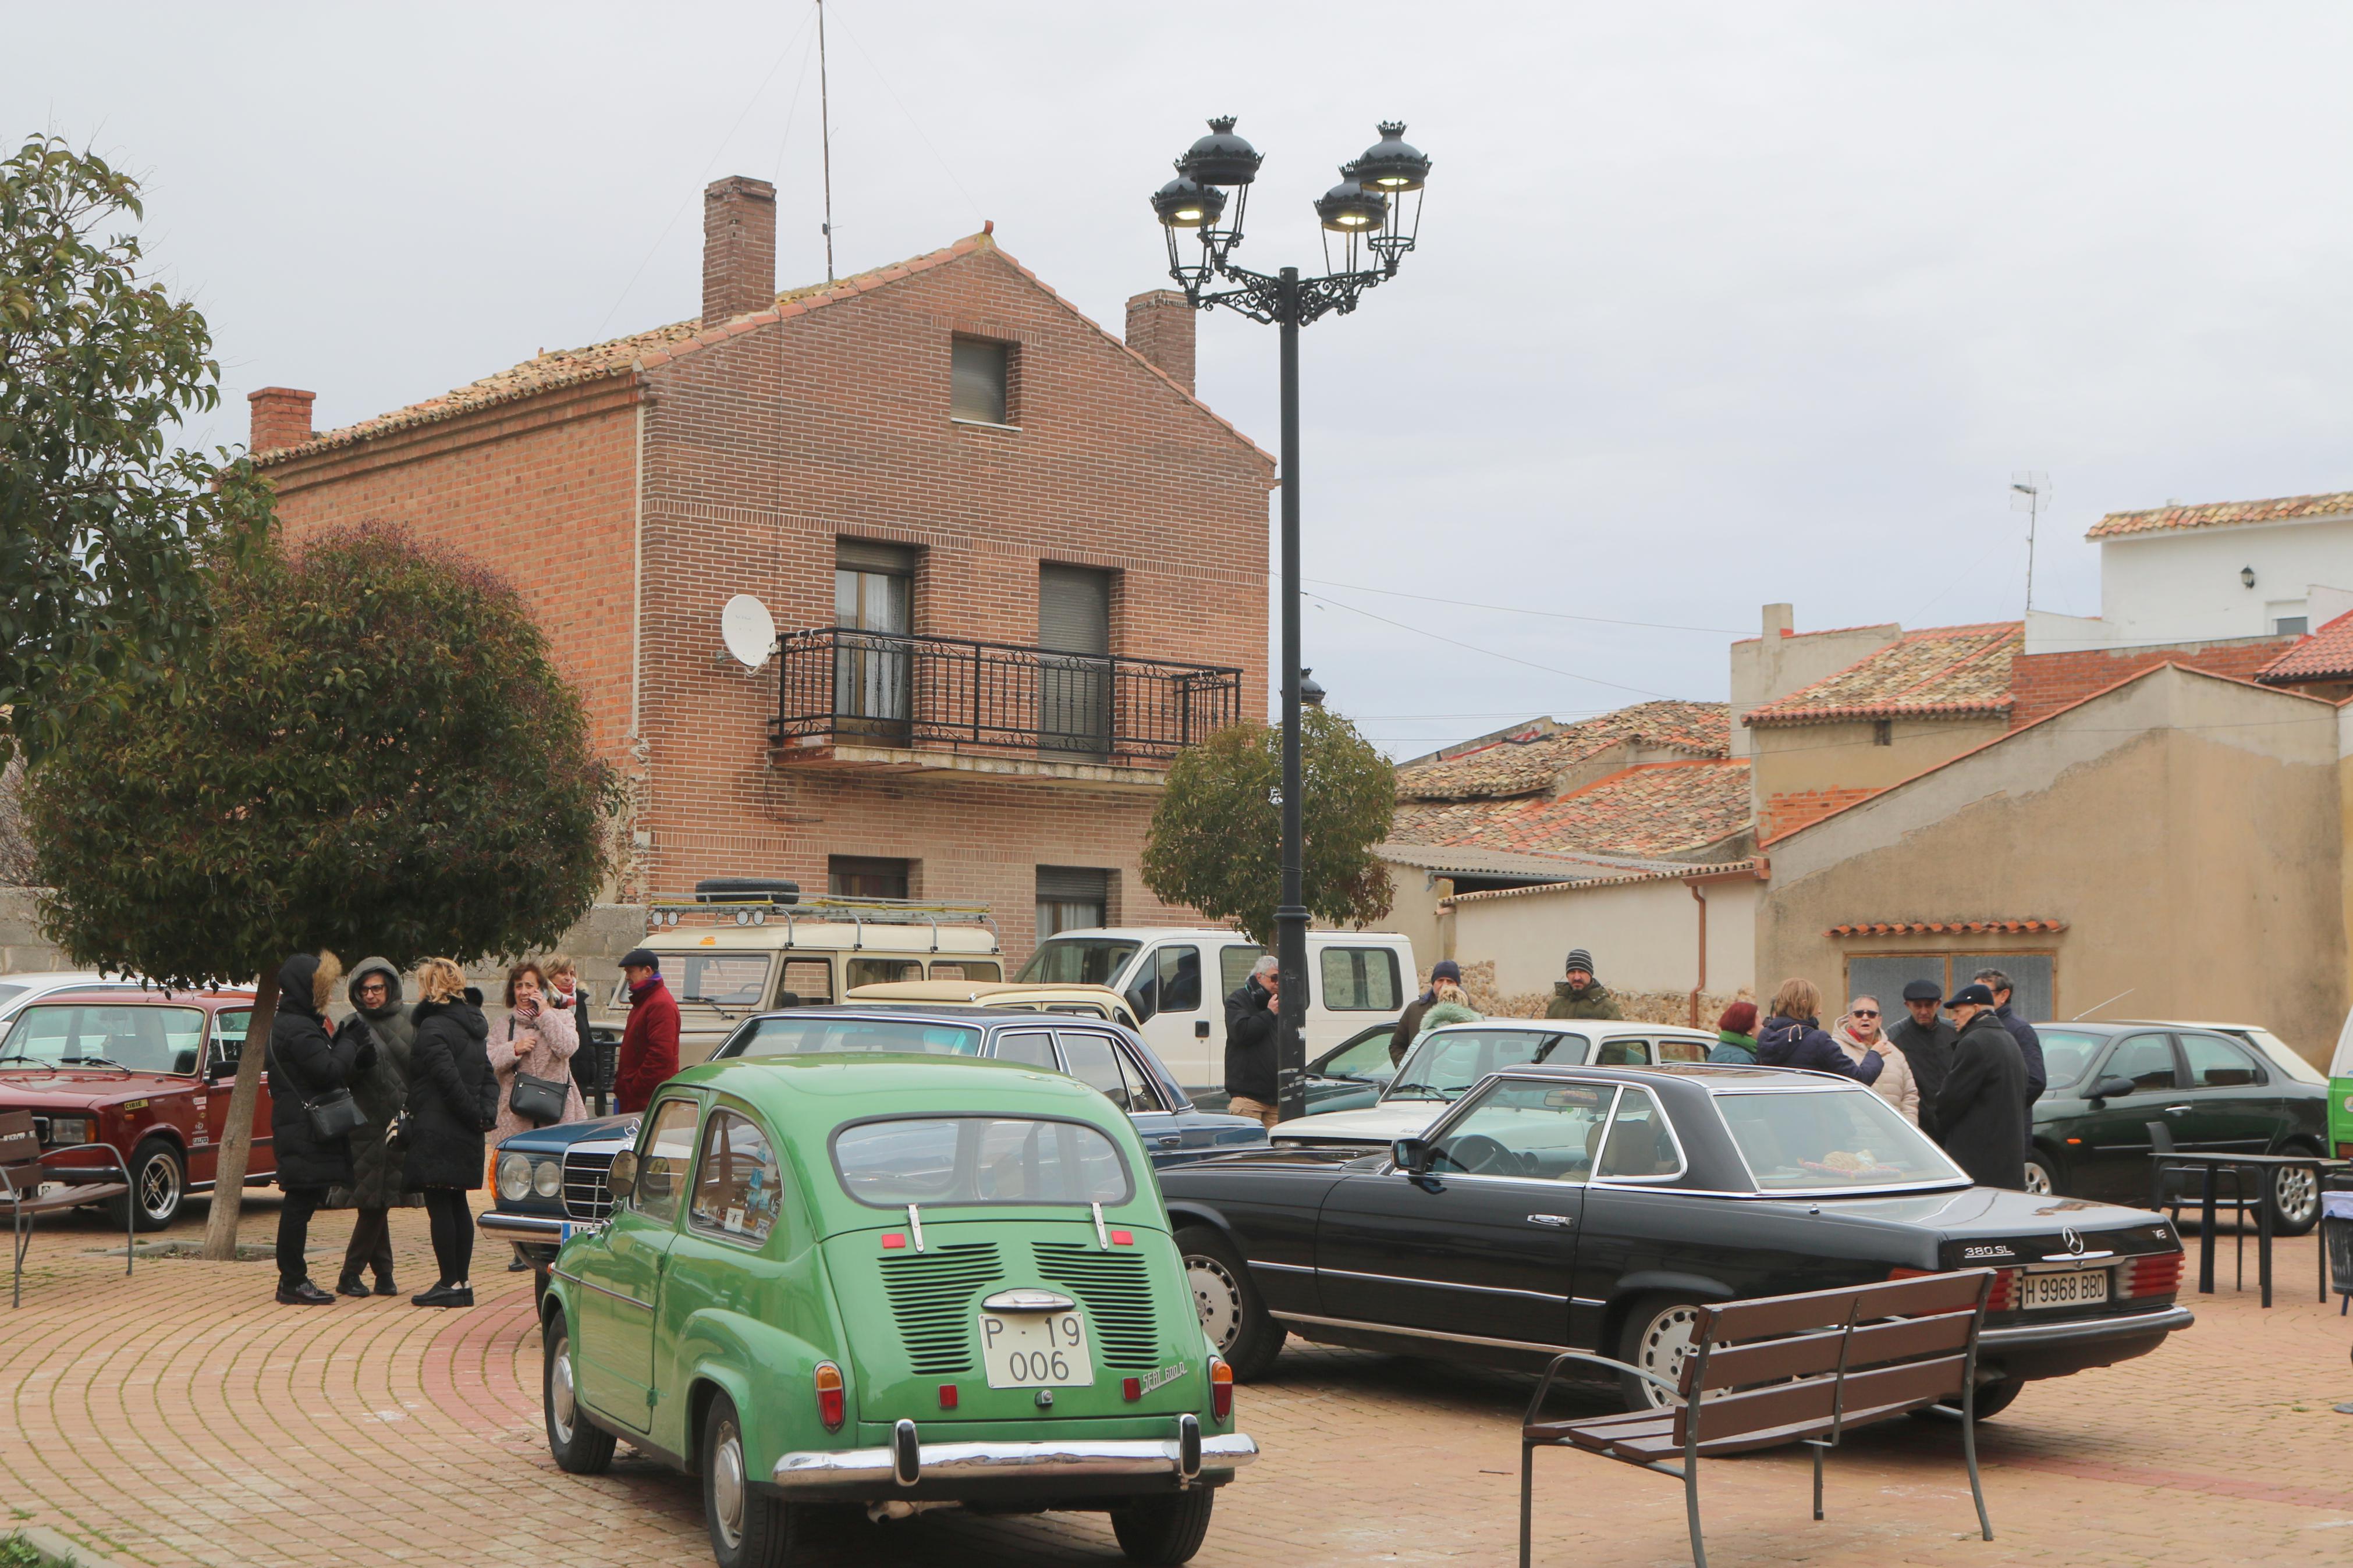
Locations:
column 2111, row 1162
column 2234, row 1109
column 621, row 1273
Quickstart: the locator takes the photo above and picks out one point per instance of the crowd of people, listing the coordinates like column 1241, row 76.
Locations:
column 397, row 1106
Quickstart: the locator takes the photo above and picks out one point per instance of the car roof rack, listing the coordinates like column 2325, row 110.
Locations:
column 831, row 909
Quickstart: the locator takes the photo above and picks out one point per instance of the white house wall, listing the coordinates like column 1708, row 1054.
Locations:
column 1644, row 936
column 2185, row 586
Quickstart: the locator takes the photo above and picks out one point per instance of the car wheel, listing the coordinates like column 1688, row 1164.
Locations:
column 2042, row 1178
column 580, row 1447
column 1657, row 1337
column 1232, row 1317
column 1164, row 1530
column 159, row 1186
column 2295, row 1200
column 750, row 1528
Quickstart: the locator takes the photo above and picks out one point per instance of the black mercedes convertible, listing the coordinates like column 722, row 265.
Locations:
column 1558, row 1207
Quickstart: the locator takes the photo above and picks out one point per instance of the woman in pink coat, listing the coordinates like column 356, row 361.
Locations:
column 537, row 1040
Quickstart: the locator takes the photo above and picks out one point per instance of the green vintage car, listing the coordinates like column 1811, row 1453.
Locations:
column 896, row 1282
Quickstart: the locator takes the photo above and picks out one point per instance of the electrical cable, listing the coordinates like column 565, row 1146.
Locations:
column 1491, row 653
column 1521, row 610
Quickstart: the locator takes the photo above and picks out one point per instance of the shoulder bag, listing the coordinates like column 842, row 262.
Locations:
column 537, row 1099
column 334, row 1114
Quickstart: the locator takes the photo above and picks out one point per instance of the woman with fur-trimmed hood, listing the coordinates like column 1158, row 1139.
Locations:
column 307, row 1065
column 375, row 1189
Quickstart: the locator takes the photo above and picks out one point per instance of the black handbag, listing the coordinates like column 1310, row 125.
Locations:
column 335, row 1115
column 541, row 1099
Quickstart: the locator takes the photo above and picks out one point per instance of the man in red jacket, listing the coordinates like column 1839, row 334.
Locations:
column 649, row 1045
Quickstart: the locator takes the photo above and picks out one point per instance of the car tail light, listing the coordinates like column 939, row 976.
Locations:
column 2152, row 1274
column 830, row 1407
column 2345, row 1151
column 947, row 1396
column 1123, row 1238
column 2000, row 1299
column 1221, row 1389
column 894, row 1242
column 1130, row 1388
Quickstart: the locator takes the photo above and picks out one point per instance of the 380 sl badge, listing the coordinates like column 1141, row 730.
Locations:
column 1971, row 1254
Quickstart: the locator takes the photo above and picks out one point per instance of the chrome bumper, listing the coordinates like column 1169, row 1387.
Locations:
column 2130, row 1326
column 1011, row 1461
column 530, row 1226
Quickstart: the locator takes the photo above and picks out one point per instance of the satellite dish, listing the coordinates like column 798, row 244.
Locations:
column 748, row 630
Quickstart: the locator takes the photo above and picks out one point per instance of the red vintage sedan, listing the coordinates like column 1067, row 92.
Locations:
column 149, row 1072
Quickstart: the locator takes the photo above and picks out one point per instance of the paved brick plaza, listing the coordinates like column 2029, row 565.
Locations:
column 184, row 1418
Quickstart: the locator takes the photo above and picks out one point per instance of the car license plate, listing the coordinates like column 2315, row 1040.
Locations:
column 2075, row 1288
column 1035, row 1350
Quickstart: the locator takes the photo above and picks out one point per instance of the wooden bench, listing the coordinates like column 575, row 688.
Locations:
column 1787, row 1369
column 28, row 1189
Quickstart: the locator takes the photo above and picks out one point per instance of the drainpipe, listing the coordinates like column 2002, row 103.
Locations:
column 1701, row 899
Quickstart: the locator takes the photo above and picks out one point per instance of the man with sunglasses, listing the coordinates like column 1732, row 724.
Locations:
column 1858, row 1035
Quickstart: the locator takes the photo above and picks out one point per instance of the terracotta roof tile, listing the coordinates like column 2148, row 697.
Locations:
column 1941, row 671
column 1656, row 809
column 1685, row 873
column 1520, row 767
column 2222, row 514
column 1948, row 927
column 2326, row 655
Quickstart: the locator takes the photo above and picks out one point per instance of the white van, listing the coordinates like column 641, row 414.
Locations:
column 1177, row 978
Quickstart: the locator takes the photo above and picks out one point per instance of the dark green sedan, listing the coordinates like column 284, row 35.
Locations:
column 2210, row 1093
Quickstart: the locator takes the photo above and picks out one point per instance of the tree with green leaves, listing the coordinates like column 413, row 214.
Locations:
column 1215, row 839
column 370, row 752
column 104, row 521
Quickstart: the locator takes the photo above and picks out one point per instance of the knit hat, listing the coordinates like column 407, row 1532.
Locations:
column 1446, row 969
column 1740, row 1018
column 1579, row 959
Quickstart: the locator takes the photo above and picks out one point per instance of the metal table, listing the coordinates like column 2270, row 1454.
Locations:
column 2264, row 1169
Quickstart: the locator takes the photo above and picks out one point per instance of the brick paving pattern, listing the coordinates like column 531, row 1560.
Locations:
column 185, row 1418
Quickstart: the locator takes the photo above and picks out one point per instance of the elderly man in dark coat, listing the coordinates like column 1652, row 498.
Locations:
column 378, row 1019
column 306, row 1066
column 1981, row 1109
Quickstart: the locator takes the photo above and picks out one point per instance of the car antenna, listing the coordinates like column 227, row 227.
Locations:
column 2117, row 997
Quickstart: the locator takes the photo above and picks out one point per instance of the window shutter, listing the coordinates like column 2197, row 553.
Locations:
column 872, row 555
column 1073, row 884
column 1074, row 609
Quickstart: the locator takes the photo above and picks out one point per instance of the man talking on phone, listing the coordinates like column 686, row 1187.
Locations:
column 1251, row 1025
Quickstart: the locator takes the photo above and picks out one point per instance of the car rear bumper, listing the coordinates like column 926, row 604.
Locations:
column 2055, row 1349
column 1076, row 1466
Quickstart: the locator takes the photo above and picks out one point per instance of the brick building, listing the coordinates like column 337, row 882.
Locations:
column 1015, row 563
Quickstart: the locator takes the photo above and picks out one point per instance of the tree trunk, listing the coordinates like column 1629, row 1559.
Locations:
column 237, row 1138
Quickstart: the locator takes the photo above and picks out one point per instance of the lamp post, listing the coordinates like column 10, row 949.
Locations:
column 1365, row 211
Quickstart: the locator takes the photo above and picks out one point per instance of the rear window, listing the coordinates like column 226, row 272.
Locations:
column 945, row 1162
column 1813, row 1140
column 802, row 1037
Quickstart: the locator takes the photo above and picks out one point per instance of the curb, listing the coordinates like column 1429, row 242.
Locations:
column 56, row 1549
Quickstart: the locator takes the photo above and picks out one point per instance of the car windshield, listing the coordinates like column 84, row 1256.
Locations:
column 951, row 1160
column 143, row 1039
column 2067, row 1053
column 803, row 1037
column 1446, row 1063
column 1080, row 960
column 731, row 981
column 1815, row 1138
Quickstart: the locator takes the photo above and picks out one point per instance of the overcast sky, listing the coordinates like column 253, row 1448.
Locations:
column 1716, row 305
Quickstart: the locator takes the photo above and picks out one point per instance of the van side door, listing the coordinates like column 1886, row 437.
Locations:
column 1176, row 1013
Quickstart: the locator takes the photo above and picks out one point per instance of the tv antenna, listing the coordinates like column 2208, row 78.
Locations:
column 2030, row 492
column 825, row 136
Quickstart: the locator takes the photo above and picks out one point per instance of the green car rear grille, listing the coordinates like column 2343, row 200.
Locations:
column 931, row 1298
column 1118, row 1297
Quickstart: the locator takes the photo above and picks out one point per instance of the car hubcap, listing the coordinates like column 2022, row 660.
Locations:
column 2038, row 1179
column 159, row 1186
column 2294, row 1190
column 1666, row 1346
column 562, row 1409
column 1217, row 1299
column 727, row 1486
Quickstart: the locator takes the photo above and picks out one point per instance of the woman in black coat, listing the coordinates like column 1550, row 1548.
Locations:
column 305, row 1067
column 453, row 1099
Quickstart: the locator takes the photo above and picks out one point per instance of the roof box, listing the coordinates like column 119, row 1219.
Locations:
column 746, row 890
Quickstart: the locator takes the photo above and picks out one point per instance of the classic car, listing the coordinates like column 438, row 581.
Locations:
column 2211, row 1090
column 148, row 1071
column 903, row 1281
column 1348, row 1076
column 1558, row 1207
column 551, row 1177
column 20, row 991
column 1447, row 1060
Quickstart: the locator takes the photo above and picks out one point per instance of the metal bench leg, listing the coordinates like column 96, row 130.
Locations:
column 1817, row 1447
column 1969, row 1450
column 23, row 1240
column 1691, row 1508
column 1528, row 1483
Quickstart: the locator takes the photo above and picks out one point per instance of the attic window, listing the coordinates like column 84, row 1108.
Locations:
column 980, row 382
column 1883, row 732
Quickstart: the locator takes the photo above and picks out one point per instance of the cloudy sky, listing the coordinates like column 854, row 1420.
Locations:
column 1717, row 305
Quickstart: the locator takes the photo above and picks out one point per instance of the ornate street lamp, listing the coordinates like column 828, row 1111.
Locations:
column 1364, row 218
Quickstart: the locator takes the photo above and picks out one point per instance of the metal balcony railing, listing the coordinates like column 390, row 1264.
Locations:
column 876, row 689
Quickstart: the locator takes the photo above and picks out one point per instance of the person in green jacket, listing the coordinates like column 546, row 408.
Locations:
column 1580, row 996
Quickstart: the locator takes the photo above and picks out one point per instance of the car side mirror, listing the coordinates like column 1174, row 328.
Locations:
column 219, row 1069
column 622, row 1179
column 1412, row 1155
column 2110, row 1086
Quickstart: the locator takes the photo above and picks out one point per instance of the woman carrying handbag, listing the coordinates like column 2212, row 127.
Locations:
column 531, row 1054
column 452, row 1102
column 312, row 1112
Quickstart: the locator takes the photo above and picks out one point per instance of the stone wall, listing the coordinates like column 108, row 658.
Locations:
column 1645, row 1006
column 23, row 948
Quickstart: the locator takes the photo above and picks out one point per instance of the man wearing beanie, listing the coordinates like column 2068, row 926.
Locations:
column 1580, row 996
column 1408, row 1025
column 1736, row 1036
column 1927, row 1041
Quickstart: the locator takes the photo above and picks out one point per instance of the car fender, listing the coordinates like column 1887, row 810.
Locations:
column 1633, row 1287
column 1194, row 1211
column 720, row 1349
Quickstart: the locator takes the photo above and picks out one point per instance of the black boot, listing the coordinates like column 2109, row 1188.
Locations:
column 385, row 1287
column 303, row 1295
column 350, row 1285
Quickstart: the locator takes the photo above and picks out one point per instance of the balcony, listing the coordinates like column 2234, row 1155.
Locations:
column 880, row 702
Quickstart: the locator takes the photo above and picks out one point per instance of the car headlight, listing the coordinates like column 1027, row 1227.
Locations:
column 546, row 1178
column 514, row 1177
column 69, row 1129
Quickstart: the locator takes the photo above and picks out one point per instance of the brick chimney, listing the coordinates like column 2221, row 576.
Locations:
column 282, row 417
column 1160, row 327
column 739, row 247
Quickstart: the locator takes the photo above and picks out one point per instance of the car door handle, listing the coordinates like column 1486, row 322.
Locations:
column 1200, row 1028
column 1172, row 1141
column 1556, row 1220
column 2176, row 1109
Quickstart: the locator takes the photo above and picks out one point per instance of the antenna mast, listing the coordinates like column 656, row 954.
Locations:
column 825, row 131
column 2030, row 492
